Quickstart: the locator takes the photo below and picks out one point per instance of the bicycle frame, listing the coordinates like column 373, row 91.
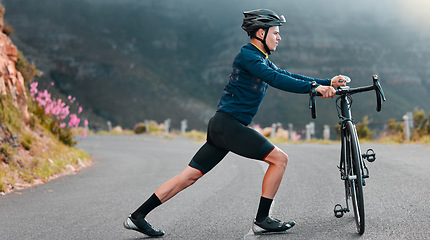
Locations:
column 346, row 116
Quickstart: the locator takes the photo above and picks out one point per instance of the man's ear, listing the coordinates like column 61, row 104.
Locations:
column 260, row 33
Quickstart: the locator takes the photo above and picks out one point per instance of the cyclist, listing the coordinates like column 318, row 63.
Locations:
column 227, row 130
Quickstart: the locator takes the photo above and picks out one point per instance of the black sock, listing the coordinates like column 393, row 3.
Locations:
column 263, row 208
column 146, row 207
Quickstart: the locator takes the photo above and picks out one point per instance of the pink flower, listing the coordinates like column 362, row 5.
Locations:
column 71, row 99
column 43, row 98
column 56, row 107
column 84, row 133
column 64, row 112
column 63, row 125
column 33, row 89
column 48, row 109
column 74, row 120
column 34, row 85
column 86, row 122
column 79, row 109
column 52, row 83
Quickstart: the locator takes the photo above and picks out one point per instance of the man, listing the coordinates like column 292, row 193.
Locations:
column 227, row 130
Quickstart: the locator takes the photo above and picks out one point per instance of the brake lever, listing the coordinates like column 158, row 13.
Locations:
column 312, row 95
column 379, row 93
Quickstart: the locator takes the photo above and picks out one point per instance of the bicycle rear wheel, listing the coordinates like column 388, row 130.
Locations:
column 356, row 182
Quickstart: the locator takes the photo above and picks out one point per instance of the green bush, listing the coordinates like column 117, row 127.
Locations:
column 394, row 127
column 421, row 124
column 140, row 128
column 363, row 129
column 28, row 71
column 66, row 136
column 26, row 141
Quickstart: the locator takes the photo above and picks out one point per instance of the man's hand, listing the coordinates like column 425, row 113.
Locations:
column 335, row 81
column 326, row 91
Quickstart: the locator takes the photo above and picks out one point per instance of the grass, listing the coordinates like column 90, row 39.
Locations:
column 9, row 114
column 196, row 135
column 40, row 155
column 113, row 132
column 201, row 137
column 26, row 142
column 7, row 150
column 54, row 162
column 2, row 173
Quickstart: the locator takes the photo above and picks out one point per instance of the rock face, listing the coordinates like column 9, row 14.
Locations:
column 11, row 80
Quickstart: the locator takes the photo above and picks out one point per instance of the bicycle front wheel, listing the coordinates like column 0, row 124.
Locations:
column 356, row 181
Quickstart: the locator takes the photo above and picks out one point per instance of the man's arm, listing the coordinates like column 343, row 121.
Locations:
column 326, row 82
column 278, row 79
column 334, row 82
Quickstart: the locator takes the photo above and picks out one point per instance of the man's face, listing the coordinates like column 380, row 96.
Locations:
column 273, row 37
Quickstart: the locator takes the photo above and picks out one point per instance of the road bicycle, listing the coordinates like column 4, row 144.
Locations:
column 352, row 167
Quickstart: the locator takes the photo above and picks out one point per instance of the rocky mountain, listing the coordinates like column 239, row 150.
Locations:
column 131, row 60
column 11, row 80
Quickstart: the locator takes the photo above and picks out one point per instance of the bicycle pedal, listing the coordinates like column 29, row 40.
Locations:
column 370, row 155
column 339, row 211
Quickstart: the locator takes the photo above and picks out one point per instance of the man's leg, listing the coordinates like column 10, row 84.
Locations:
column 247, row 142
column 178, row 183
column 136, row 221
column 207, row 157
column 203, row 161
column 168, row 190
column 277, row 161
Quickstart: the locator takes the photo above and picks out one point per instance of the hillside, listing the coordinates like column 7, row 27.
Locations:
column 130, row 60
column 33, row 149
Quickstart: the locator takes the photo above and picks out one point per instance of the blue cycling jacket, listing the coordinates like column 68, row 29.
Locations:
column 252, row 73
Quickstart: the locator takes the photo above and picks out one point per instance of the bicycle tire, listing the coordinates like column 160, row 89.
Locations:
column 356, row 185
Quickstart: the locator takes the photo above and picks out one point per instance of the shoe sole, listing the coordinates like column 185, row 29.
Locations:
column 261, row 231
column 129, row 225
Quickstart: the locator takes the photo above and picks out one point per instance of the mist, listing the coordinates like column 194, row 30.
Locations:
column 171, row 59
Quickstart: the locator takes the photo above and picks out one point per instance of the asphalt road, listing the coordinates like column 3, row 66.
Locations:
column 94, row 203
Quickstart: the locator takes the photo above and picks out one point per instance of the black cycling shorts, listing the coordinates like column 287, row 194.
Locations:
column 225, row 133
